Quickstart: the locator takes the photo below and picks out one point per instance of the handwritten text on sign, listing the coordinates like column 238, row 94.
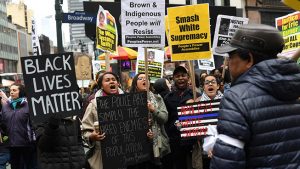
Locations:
column 51, row 85
column 195, row 118
column 123, row 118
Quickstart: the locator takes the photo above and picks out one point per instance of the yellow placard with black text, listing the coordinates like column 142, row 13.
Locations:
column 294, row 4
column 189, row 36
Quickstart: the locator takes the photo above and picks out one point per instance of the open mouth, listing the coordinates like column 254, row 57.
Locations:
column 210, row 89
column 112, row 86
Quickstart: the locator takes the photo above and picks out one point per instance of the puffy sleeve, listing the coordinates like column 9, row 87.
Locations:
column 233, row 125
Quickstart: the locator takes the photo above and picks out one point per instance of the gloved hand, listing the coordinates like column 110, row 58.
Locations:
column 54, row 121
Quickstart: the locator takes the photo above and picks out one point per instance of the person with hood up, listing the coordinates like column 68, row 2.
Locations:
column 162, row 87
column 259, row 115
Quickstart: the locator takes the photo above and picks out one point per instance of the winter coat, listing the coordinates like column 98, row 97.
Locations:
column 61, row 148
column 161, row 146
column 88, row 120
column 172, row 101
column 261, row 110
column 18, row 124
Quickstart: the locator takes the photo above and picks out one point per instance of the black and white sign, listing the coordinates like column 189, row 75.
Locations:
column 225, row 29
column 143, row 23
column 124, row 120
column 51, row 86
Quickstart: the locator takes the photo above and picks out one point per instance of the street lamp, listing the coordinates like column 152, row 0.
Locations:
column 58, row 18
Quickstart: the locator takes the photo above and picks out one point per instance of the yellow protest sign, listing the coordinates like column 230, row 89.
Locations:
column 294, row 4
column 189, row 36
column 290, row 30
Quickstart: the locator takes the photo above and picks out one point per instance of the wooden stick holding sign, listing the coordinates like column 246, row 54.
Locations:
column 192, row 74
column 150, row 118
column 107, row 64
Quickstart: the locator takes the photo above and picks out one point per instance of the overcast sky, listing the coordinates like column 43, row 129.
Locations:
column 44, row 14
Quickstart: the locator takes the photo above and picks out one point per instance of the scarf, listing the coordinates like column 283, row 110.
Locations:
column 13, row 103
column 204, row 96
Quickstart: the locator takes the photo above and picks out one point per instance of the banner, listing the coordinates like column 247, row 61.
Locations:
column 226, row 26
column 106, row 31
column 289, row 26
column 124, row 120
column 155, row 63
column 143, row 23
column 36, row 48
column 189, row 32
column 51, row 86
column 195, row 118
column 294, row 4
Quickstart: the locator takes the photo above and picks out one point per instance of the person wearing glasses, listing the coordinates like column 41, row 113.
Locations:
column 259, row 116
column 158, row 117
column 179, row 96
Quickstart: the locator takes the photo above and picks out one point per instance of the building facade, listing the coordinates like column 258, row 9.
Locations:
column 8, row 43
column 20, row 14
column 265, row 11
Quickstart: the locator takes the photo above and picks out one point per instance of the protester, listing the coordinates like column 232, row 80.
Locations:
column 259, row 118
column 108, row 84
column 162, row 87
column 60, row 145
column 178, row 97
column 15, row 116
column 211, row 91
column 4, row 149
column 158, row 117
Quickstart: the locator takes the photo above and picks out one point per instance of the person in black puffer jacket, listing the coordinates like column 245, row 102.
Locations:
column 60, row 146
column 259, row 115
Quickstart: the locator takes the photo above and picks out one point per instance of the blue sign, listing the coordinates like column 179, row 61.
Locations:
column 78, row 17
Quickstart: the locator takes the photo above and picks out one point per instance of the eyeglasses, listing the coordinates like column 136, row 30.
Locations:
column 141, row 78
column 207, row 82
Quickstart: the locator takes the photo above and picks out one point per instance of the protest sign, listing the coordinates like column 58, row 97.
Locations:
column 155, row 63
column 189, row 35
column 195, row 118
column 290, row 29
column 294, row 4
column 106, row 31
column 98, row 65
column 226, row 26
column 36, row 48
column 206, row 64
column 51, row 86
column 143, row 23
column 124, row 120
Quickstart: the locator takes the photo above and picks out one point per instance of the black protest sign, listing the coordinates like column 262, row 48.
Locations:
column 124, row 120
column 51, row 85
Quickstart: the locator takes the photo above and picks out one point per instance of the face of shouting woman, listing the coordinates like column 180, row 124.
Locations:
column 211, row 86
column 141, row 83
column 110, row 84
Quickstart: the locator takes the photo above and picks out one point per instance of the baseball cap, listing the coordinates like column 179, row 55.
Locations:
column 179, row 69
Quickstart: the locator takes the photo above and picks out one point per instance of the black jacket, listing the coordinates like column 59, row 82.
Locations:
column 262, row 110
column 61, row 148
column 172, row 101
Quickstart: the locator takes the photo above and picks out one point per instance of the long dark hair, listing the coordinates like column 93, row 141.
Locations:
column 21, row 87
column 133, row 88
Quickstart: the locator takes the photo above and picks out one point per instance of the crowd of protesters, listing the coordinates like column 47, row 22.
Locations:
column 257, row 127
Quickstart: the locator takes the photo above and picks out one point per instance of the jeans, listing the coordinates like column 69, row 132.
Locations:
column 4, row 158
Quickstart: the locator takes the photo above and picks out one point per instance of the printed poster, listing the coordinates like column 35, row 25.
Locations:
column 189, row 37
column 106, row 31
column 290, row 29
column 98, row 65
column 226, row 26
column 294, row 4
column 155, row 63
column 143, row 23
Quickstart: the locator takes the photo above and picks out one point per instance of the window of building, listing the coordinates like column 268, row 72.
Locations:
column 268, row 18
